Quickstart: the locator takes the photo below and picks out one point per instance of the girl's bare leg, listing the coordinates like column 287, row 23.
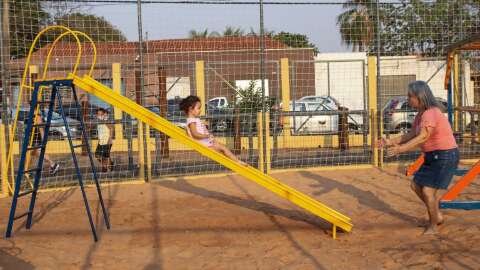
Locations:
column 223, row 149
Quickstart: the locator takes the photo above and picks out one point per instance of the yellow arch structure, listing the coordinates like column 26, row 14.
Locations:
column 24, row 86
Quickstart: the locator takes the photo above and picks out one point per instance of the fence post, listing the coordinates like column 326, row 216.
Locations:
column 268, row 143
column 149, row 152
column 141, row 156
column 200, row 83
column 285, row 84
column 3, row 162
column 162, row 139
column 117, row 87
column 372, row 107
column 456, row 91
column 261, row 158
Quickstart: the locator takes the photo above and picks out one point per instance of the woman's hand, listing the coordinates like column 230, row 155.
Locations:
column 394, row 150
column 382, row 142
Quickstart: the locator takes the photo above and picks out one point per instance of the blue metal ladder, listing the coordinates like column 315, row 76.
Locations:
column 37, row 171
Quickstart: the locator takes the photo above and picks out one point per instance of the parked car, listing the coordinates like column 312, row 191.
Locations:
column 57, row 127
column 218, row 102
column 398, row 116
column 329, row 101
column 319, row 123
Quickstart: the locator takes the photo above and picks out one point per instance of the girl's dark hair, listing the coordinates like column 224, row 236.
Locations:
column 188, row 103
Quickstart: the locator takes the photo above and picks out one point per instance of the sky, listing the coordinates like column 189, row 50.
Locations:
column 166, row 21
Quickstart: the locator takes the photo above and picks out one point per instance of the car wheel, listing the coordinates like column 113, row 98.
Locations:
column 353, row 127
column 221, row 126
column 56, row 135
column 403, row 127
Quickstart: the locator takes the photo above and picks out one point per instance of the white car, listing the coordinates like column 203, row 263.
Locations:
column 218, row 102
column 315, row 124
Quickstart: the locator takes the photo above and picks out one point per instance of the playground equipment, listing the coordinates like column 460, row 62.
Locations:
column 37, row 102
column 90, row 85
column 448, row 200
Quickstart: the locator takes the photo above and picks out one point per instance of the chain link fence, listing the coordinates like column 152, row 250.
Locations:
column 274, row 87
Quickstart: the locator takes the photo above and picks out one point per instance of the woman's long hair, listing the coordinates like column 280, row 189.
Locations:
column 422, row 91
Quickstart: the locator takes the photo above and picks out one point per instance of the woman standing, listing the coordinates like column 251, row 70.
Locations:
column 431, row 132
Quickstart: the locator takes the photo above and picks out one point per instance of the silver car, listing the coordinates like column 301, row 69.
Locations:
column 398, row 116
column 57, row 127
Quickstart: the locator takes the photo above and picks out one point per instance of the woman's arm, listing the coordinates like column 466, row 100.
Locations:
column 195, row 134
column 397, row 139
column 411, row 144
column 403, row 138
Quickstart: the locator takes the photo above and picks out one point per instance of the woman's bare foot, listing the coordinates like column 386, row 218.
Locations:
column 440, row 219
column 431, row 230
column 426, row 222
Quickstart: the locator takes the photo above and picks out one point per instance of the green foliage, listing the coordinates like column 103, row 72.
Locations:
column 98, row 28
column 27, row 18
column 202, row 34
column 295, row 40
column 408, row 27
column 250, row 99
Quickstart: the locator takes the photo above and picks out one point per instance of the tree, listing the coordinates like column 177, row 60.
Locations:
column 295, row 40
column 250, row 99
column 98, row 28
column 194, row 34
column 408, row 27
column 357, row 24
column 27, row 18
column 231, row 31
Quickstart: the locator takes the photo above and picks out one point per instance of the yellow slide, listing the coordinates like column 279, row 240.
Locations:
column 106, row 94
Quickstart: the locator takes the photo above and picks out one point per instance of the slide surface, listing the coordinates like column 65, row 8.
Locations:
column 106, row 94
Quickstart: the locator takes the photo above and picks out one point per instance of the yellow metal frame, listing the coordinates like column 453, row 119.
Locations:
column 23, row 85
column 106, row 94
column 90, row 85
column 372, row 106
column 200, row 83
column 3, row 162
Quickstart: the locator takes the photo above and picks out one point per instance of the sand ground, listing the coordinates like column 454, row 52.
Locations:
column 232, row 223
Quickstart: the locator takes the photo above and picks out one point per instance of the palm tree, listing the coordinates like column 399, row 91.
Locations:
column 266, row 32
column 357, row 24
column 231, row 31
column 202, row 34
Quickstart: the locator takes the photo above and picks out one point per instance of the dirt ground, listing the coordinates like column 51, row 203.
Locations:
column 232, row 223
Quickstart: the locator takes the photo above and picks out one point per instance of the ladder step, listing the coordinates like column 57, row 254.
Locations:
column 464, row 205
column 43, row 102
column 22, row 215
column 31, row 170
column 25, row 193
column 461, row 172
column 79, row 145
column 40, row 125
column 34, row 147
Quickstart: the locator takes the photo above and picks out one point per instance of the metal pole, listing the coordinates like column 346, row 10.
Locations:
column 4, row 59
column 379, row 104
column 262, row 75
column 142, row 83
column 328, row 78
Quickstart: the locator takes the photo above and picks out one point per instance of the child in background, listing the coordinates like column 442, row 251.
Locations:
column 105, row 135
column 196, row 129
column 38, row 134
